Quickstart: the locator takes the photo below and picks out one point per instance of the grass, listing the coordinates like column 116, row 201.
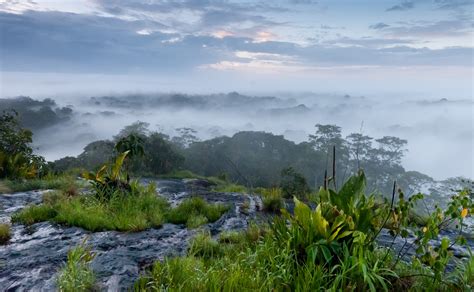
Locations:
column 46, row 183
column 133, row 212
column 5, row 233
column 229, row 188
column 272, row 200
column 34, row 214
column 196, row 211
column 76, row 275
column 331, row 247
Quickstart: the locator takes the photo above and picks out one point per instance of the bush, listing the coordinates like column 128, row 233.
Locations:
column 77, row 275
column 5, row 233
column 191, row 208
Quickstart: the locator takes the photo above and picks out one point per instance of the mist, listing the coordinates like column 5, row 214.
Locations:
column 439, row 130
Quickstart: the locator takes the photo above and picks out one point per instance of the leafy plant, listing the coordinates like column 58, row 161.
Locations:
column 109, row 179
column 76, row 275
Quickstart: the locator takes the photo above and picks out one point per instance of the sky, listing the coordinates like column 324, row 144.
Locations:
column 206, row 45
column 394, row 52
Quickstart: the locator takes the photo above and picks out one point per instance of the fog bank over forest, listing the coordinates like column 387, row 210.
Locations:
column 438, row 130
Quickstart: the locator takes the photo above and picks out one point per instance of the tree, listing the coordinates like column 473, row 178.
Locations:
column 161, row 157
column 359, row 146
column 13, row 138
column 16, row 155
column 293, row 184
column 391, row 149
column 138, row 128
column 132, row 143
column 187, row 136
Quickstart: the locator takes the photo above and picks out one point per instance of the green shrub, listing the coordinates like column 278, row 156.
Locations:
column 5, row 233
column 190, row 208
column 76, row 275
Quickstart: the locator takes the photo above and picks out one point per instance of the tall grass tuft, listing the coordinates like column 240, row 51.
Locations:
column 76, row 275
column 5, row 233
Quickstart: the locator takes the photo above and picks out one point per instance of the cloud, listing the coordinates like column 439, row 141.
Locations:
column 379, row 25
column 67, row 42
column 454, row 4
column 444, row 28
column 405, row 5
column 369, row 42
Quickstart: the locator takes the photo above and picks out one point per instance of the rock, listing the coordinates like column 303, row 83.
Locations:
column 35, row 254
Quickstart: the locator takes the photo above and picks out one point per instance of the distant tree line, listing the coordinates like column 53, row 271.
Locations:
column 258, row 158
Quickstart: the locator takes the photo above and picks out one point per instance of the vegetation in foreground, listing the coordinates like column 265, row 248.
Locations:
column 77, row 275
column 331, row 247
column 5, row 233
column 117, row 204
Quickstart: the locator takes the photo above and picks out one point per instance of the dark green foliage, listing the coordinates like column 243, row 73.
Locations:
column 17, row 160
column 293, row 184
column 250, row 158
column 160, row 155
column 36, row 114
column 150, row 153
column 133, row 144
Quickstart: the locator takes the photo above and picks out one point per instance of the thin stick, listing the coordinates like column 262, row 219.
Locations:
column 334, row 166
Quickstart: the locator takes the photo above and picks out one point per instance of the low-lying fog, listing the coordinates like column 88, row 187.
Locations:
column 439, row 131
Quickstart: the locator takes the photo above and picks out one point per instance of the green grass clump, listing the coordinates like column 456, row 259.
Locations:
column 76, row 275
column 136, row 211
column 196, row 221
column 272, row 200
column 193, row 210
column 230, row 188
column 34, row 214
column 132, row 212
column 204, row 246
column 5, row 233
